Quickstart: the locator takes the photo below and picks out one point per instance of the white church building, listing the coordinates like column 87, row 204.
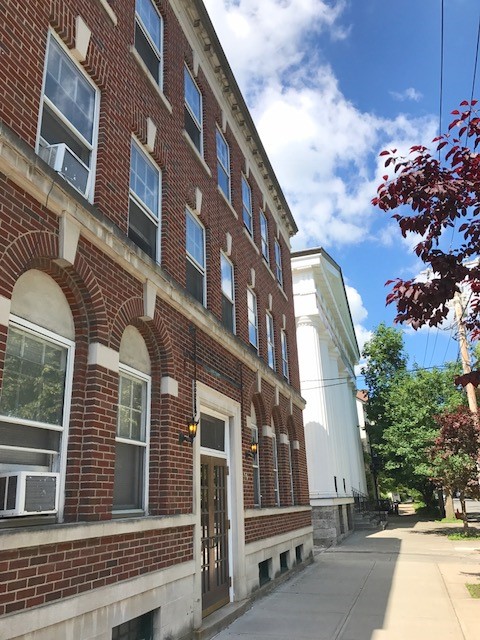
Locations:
column 328, row 352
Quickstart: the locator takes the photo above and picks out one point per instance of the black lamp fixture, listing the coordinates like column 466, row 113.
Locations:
column 192, row 423
column 192, row 432
column 253, row 450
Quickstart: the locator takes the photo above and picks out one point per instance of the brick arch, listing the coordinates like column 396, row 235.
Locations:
column 291, row 429
column 39, row 250
column 260, row 411
column 154, row 332
column 278, row 420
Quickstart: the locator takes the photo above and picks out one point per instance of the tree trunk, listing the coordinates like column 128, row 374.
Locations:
column 449, row 508
column 464, row 512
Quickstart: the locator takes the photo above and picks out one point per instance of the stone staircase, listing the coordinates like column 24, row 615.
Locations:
column 369, row 520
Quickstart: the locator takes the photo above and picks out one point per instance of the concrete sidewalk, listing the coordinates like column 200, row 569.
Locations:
column 404, row 583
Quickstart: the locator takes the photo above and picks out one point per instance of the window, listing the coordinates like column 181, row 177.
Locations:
column 35, row 398
column 131, row 448
column 144, row 205
column 195, row 273
column 284, row 355
column 255, row 462
column 278, row 263
column 149, row 37
column 69, row 121
column 276, row 489
column 252, row 318
column 228, row 306
column 223, row 165
column 270, row 341
column 247, row 205
column 193, row 111
column 264, row 234
column 140, row 628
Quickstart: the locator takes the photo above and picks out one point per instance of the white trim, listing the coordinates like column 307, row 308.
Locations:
column 267, row 431
column 82, row 39
column 149, row 299
column 151, row 80
column 201, row 269
column 169, row 386
column 68, row 236
column 109, row 11
column 283, row 439
column 102, row 356
column 5, row 306
column 157, row 52
column 252, row 514
column 151, row 135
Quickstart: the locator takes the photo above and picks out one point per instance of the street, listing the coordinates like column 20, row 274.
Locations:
column 406, row 582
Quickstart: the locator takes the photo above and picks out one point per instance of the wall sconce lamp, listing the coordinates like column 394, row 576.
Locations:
column 192, row 432
column 253, row 450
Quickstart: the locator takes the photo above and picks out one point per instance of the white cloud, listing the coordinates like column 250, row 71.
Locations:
column 359, row 314
column 408, row 94
column 323, row 149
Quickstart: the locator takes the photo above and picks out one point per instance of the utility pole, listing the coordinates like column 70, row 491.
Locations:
column 462, row 339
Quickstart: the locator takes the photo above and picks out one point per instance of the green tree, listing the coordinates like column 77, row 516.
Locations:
column 385, row 360
column 414, row 400
column 455, row 453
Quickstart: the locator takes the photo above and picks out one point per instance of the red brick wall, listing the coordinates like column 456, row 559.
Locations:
column 260, row 528
column 38, row 575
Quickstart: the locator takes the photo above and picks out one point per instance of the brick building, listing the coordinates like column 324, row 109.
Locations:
column 145, row 291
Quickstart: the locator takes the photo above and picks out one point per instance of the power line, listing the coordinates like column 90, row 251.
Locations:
column 442, row 33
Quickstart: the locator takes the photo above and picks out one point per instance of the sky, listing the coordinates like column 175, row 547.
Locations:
column 330, row 84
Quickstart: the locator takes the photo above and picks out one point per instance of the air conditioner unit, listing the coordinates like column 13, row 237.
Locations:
column 67, row 164
column 25, row 493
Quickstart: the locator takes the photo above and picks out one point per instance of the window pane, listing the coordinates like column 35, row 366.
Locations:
column 278, row 262
column 247, row 204
column 227, row 313
column 227, row 277
column 264, row 234
column 193, row 98
column 151, row 21
column 144, row 180
column 142, row 230
column 132, row 408
column 195, row 282
column 252, row 318
column 195, row 240
column 33, row 378
column 73, row 96
column 147, row 53
column 212, row 433
column 193, row 130
column 129, row 476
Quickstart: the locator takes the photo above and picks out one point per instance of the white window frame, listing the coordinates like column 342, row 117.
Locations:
column 200, row 268
column 129, row 372
column 247, row 210
column 157, row 52
column 276, row 484
column 285, row 367
column 278, row 262
column 264, row 237
column 270, row 340
column 251, row 296
column 229, row 297
column 290, row 469
column 59, row 459
column 91, row 146
column 198, row 124
column 222, row 167
column 138, row 200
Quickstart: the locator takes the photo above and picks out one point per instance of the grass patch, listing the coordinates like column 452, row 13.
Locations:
column 449, row 520
column 473, row 589
column 471, row 534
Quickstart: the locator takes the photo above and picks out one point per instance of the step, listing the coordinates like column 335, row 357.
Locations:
column 220, row 619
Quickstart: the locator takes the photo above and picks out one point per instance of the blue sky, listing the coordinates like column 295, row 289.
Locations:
column 329, row 85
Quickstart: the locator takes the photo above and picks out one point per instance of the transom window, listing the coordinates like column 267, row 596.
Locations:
column 228, row 292
column 149, row 37
column 195, row 268
column 144, row 206
column 264, row 235
column 223, row 165
column 278, row 263
column 247, row 205
column 193, row 111
column 131, row 450
column 252, row 318
column 270, row 341
column 34, row 403
column 284, row 355
column 69, row 122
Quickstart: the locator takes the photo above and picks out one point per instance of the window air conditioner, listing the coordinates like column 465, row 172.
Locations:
column 24, row 493
column 67, row 164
